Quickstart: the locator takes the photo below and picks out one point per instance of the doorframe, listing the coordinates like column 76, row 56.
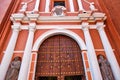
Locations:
column 50, row 33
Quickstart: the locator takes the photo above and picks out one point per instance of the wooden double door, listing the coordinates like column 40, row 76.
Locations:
column 59, row 58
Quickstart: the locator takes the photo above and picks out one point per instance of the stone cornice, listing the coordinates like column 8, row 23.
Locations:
column 29, row 17
column 40, row 27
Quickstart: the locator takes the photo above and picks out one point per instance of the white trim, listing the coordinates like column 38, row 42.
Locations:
column 29, row 68
column 71, row 6
column 85, row 69
column 55, row 32
column 47, row 5
column 38, row 18
column 109, row 52
column 80, row 5
column 35, row 66
column 36, row 8
column 25, row 27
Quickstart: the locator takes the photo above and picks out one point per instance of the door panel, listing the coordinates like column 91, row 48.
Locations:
column 47, row 78
column 77, row 77
column 59, row 56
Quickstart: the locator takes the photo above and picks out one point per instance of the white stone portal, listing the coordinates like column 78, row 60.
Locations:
column 49, row 33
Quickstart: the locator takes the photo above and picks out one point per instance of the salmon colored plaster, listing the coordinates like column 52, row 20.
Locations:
column 21, row 41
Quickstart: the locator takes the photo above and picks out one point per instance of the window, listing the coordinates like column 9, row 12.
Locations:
column 60, row 3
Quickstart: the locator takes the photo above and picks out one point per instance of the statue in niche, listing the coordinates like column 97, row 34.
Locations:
column 13, row 71
column 105, row 68
column 58, row 10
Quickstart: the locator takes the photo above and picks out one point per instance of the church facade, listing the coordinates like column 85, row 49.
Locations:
column 58, row 40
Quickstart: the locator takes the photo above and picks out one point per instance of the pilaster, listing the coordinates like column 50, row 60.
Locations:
column 71, row 6
column 9, row 51
column 108, row 50
column 27, row 53
column 94, row 67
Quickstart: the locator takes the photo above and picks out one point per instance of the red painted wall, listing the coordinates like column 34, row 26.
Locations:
column 111, row 8
column 4, row 4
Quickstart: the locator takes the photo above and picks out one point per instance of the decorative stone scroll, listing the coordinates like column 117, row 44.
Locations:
column 13, row 71
column 105, row 68
column 58, row 11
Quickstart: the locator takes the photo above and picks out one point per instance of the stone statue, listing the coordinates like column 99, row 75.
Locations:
column 58, row 10
column 13, row 71
column 92, row 7
column 24, row 7
column 105, row 69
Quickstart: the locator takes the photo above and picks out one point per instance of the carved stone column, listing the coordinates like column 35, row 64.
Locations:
column 109, row 52
column 9, row 51
column 94, row 66
column 47, row 7
column 71, row 6
column 80, row 5
column 36, row 8
column 27, row 53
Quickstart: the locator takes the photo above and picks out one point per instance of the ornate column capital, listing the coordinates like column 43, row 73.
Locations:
column 16, row 26
column 85, row 26
column 32, row 27
column 100, row 26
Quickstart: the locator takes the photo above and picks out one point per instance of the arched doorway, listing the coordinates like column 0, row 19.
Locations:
column 59, row 58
